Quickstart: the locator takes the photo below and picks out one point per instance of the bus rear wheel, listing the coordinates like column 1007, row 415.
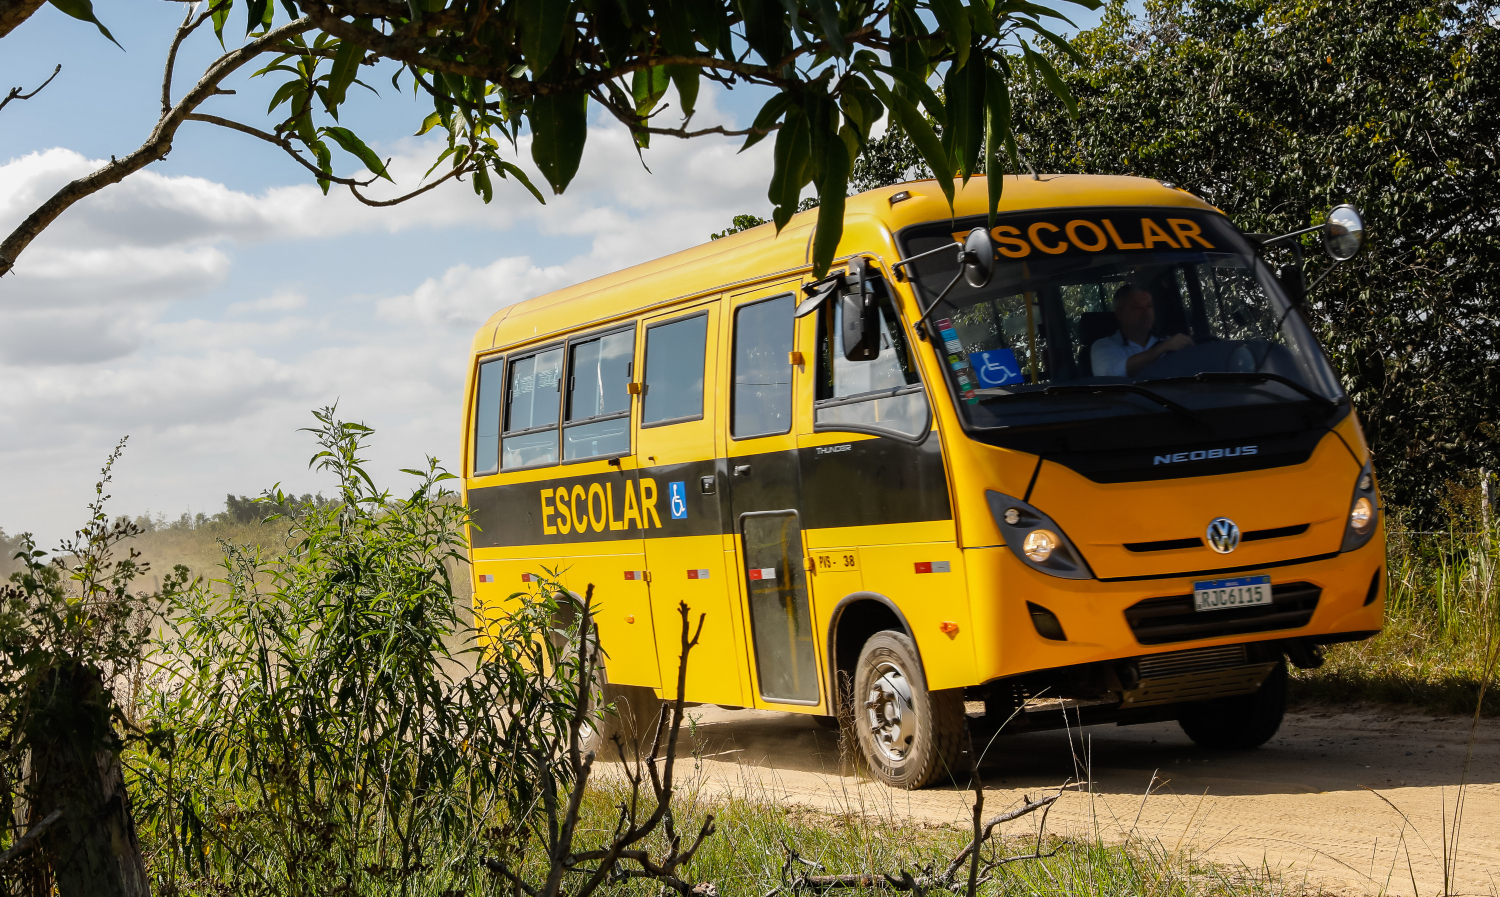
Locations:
column 632, row 719
column 909, row 736
column 1239, row 722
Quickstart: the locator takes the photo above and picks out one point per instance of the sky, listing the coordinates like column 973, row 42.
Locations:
column 205, row 305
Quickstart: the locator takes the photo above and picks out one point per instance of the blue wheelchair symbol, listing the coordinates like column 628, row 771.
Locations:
column 677, row 493
column 997, row 367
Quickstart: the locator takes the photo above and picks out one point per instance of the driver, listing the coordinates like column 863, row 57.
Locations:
column 1129, row 349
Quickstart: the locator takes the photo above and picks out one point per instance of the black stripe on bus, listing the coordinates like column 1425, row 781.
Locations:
column 858, row 483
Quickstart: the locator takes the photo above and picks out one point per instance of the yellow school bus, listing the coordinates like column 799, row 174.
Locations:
column 1085, row 464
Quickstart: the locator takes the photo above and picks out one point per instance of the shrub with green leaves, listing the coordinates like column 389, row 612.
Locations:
column 336, row 725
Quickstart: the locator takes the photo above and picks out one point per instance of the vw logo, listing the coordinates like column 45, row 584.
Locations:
column 1223, row 535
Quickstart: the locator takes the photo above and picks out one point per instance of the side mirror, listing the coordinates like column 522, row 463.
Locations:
column 979, row 257
column 1343, row 233
column 859, row 314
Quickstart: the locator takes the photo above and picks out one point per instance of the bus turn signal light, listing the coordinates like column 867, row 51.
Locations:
column 948, row 628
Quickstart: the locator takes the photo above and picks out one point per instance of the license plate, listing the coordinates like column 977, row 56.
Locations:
column 1222, row 594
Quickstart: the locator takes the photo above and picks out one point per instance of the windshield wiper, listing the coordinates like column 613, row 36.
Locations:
column 1249, row 377
column 1086, row 389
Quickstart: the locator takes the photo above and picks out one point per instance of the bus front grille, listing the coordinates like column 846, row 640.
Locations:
column 1159, row 621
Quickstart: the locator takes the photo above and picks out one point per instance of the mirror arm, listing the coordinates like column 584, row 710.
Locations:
column 1267, row 241
column 898, row 266
column 1330, row 270
column 920, row 325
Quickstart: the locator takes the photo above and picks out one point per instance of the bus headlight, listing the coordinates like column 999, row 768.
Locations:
column 1363, row 515
column 1038, row 544
column 1364, row 510
column 1036, row 539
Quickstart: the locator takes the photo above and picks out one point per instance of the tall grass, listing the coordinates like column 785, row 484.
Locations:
column 1442, row 627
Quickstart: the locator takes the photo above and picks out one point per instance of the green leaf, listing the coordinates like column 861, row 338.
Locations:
column 686, row 79
column 911, row 121
column 1043, row 66
column 356, row 147
column 345, row 68
column 432, row 120
column 767, row 117
column 559, row 128
column 996, row 130
column 954, row 19
column 964, row 89
column 83, row 10
column 833, row 188
column 827, row 12
column 918, row 88
column 257, row 15
column 765, row 28
column 1055, row 40
column 542, row 25
column 789, row 172
column 503, row 167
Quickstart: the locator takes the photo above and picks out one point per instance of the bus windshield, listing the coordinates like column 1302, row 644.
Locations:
column 1105, row 312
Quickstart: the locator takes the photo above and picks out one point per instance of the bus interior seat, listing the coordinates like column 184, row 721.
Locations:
column 1092, row 327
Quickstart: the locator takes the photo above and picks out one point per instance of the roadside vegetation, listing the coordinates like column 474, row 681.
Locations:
column 1439, row 648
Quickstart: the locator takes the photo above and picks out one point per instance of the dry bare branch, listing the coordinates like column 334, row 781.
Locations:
column 15, row 92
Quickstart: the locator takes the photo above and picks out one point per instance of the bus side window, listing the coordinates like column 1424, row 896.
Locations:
column 674, row 371
column 487, row 417
column 884, row 393
column 598, row 421
column 762, row 372
column 530, row 435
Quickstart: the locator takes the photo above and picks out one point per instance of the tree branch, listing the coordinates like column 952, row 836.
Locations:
column 156, row 146
column 14, row 12
column 28, row 840
column 15, row 92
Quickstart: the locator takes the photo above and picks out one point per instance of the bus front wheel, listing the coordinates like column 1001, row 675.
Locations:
column 909, row 736
column 1239, row 722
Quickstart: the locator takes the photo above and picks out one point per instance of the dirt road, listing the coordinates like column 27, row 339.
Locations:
column 1308, row 803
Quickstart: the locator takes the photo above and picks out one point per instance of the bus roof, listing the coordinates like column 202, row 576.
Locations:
column 722, row 262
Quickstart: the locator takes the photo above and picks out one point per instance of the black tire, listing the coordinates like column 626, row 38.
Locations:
column 1239, row 722
column 909, row 737
column 628, row 712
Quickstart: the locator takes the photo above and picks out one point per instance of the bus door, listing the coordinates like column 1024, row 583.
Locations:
column 765, row 495
column 678, row 444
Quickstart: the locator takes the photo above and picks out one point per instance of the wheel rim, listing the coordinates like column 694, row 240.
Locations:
column 890, row 713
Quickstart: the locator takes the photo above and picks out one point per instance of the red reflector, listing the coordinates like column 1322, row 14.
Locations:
column 934, row 567
column 763, row 574
column 486, row 577
column 697, row 574
column 530, row 577
column 635, row 575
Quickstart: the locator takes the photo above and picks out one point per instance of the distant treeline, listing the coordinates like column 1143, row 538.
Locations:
column 237, row 509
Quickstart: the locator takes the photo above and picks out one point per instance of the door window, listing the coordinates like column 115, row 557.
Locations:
column 884, row 393
column 762, row 369
column 674, row 371
column 531, row 413
column 599, row 396
column 487, row 417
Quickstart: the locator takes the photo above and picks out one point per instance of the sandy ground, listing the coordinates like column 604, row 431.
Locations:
column 1308, row 804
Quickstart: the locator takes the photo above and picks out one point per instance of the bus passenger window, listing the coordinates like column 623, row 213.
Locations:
column 531, row 414
column 674, row 371
column 487, row 418
column 598, row 420
column 762, row 371
column 884, row 393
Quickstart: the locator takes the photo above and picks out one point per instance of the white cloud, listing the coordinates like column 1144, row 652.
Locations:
column 118, row 319
column 465, row 297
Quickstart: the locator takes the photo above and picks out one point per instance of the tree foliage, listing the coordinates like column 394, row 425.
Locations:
column 1275, row 110
column 494, row 71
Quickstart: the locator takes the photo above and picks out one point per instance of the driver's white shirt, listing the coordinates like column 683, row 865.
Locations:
column 1110, row 353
